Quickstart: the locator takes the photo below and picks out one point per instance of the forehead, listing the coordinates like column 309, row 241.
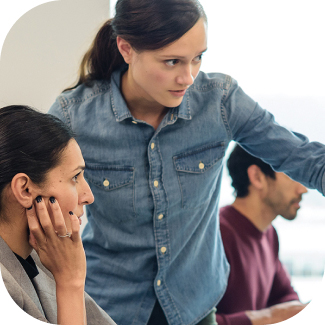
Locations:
column 71, row 158
column 194, row 41
column 283, row 178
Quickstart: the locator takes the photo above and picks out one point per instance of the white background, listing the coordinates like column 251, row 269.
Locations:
column 273, row 48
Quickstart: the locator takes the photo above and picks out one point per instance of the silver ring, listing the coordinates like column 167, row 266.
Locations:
column 68, row 234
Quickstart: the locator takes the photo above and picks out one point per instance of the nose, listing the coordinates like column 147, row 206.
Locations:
column 301, row 189
column 185, row 76
column 86, row 195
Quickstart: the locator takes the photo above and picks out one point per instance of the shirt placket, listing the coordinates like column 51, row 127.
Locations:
column 160, row 222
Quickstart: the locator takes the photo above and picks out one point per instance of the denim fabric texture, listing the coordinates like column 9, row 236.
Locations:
column 153, row 230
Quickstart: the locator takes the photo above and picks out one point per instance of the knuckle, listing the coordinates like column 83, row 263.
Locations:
column 33, row 228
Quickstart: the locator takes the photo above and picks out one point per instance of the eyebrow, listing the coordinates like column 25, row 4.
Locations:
column 83, row 167
column 180, row 57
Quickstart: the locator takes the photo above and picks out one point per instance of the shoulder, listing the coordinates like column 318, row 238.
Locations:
column 83, row 93
column 224, row 214
column 273, row 238
column 227, row 229
column 208, row 81
column 80, row 101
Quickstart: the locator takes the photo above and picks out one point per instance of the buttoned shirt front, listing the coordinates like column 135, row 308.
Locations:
column 153, row 230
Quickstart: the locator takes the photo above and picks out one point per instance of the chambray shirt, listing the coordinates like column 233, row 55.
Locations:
column 153, row 230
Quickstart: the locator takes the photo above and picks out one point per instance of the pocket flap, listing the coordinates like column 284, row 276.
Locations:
column 109, row 177
column 199, row 160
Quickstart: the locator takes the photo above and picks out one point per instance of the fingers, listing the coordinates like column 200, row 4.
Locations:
column 75, row 227
column 58, row 219
column 44, row 218
column 34, row 226
column 42, row 226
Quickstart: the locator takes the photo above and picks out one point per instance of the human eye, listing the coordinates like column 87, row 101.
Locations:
column 198, row 58
column 75, row 177
column 172, row 62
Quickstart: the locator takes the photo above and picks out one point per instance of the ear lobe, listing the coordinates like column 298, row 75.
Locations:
column 21, row 188
column 125, row 49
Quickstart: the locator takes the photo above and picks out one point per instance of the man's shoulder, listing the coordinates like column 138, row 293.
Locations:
column 227, row 227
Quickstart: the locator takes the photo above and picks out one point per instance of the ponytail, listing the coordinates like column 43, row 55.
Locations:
column 102, row 58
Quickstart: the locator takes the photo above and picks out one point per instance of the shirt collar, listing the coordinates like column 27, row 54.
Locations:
column 29, row 266
column 121, row 110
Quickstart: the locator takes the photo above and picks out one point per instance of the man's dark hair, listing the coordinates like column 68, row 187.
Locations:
column 238, row 163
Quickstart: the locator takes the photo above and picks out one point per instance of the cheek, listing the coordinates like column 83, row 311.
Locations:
column 68, row 201
column 196, row 70
column 154, row 79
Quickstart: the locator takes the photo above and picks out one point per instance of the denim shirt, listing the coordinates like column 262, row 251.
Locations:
column 153, row 230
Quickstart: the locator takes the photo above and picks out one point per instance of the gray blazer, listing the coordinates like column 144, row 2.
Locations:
column 39, row 302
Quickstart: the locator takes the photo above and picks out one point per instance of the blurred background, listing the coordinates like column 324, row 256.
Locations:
column 272, row 48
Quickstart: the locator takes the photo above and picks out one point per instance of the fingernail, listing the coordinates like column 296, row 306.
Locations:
column 39, row 199
column 30, row 207
column 52, row 199
column 71, row 213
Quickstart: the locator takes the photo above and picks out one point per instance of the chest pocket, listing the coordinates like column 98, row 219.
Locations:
column 198, row 172
column 113, row 189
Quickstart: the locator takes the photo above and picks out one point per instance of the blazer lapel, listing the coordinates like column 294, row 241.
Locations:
column 11, row 263
column 46, row 289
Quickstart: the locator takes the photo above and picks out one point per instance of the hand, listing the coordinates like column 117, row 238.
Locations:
column 276, row 313
column 64, row 257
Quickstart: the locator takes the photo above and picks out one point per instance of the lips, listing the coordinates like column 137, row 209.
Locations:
column 178, row 93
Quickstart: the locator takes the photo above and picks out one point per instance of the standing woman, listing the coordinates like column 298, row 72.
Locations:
column 153, row 131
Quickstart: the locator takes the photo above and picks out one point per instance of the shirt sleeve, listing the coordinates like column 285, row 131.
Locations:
column 282, row 290
column 239, row 318
column 256, row 130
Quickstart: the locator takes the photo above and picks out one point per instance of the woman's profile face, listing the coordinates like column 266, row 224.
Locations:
column 66, row 182
column 163, row 76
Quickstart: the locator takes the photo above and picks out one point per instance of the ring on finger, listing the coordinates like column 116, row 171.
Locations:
column 68, row 234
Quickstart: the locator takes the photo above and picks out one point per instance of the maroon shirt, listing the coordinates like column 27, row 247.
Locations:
column 257, row 278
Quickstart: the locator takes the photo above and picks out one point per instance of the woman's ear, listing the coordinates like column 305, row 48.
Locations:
column 125, row 49
column 23, row 188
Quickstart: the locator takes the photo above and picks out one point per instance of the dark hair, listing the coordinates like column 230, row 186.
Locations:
column 238, row 163
column 30, row 142
column 145, row 24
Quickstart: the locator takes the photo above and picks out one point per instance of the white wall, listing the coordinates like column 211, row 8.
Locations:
column 41, row 54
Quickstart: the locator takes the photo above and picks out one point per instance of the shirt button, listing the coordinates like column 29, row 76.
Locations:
column 201, row 165
column 158, row 283
column 160, row 216
column 152, row 146
column 163, row 250
column 106, row 183
column 155, row 183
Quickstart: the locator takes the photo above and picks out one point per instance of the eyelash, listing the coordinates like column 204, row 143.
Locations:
column 75, row 178
column 175, row 61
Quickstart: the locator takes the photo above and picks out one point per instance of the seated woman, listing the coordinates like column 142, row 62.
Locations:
column 42, row 194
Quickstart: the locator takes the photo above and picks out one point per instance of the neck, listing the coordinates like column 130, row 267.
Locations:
column 254, row 210
column 14, row 231
column 140, row 107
